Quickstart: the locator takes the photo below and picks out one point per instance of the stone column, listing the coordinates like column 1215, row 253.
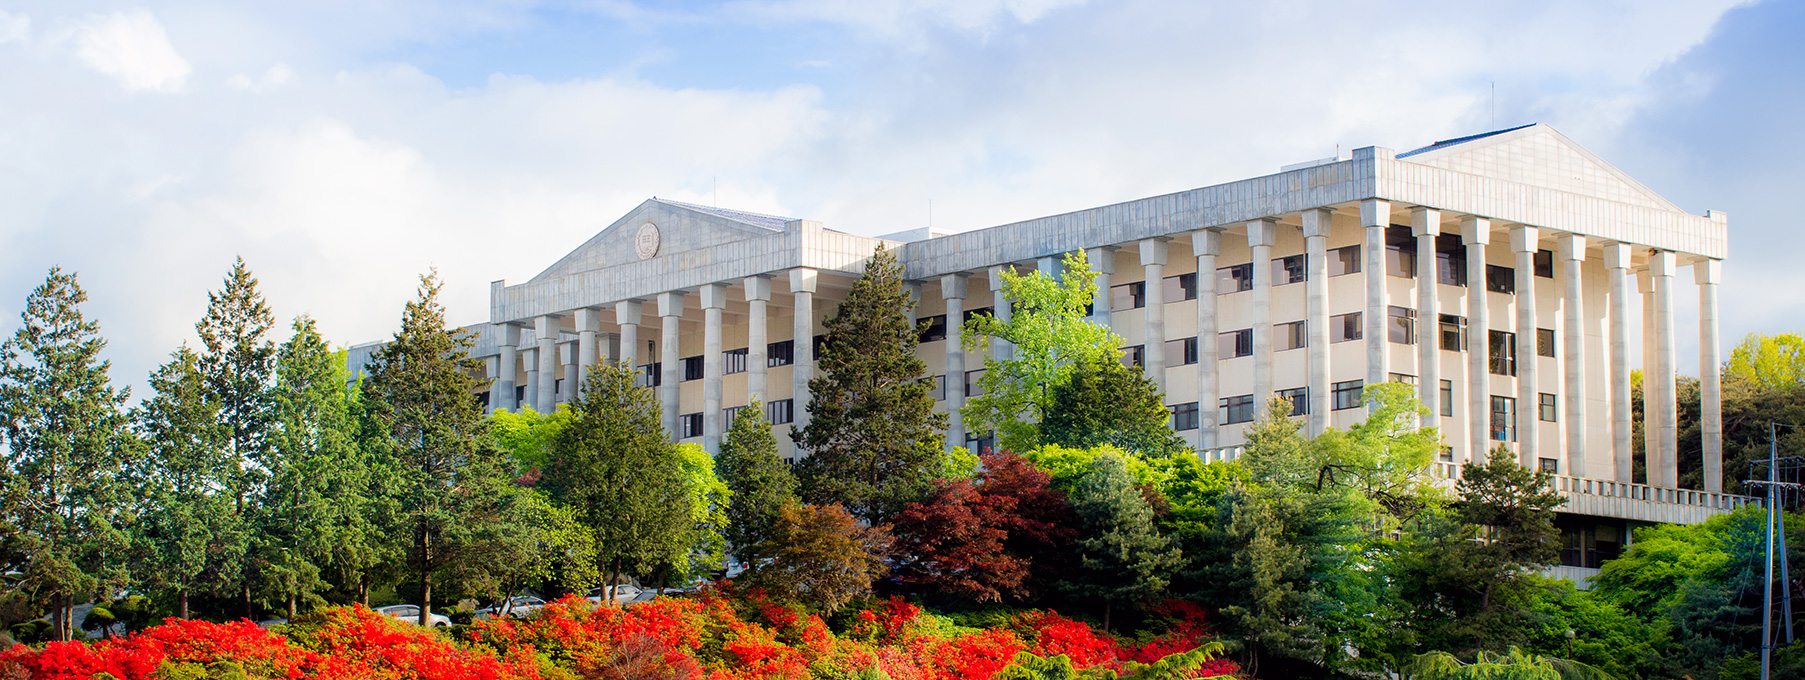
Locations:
column 501, row 396
column 1425, row 224
column 1617, row 262
column 1207, row 244
column 714, row 302
column 1000, row 350
column 627, row 314
column 952, row 290
column 913, row 290
column 1652, row 460
column 758, row 298
column 1052, row 267
column 1571, row 249
column 530, row 357
column 1711, row 416
column 670, row 317
column 546, row 327
column 1476, row 232
column 1375, row 216
column 1523, row 241
column 1260, row 236
column 567, row 355
column 1153, row 348
column 802, row 347
column 1103, row 262
column 589, row 323
column 1661, row 265
column 1316, row 321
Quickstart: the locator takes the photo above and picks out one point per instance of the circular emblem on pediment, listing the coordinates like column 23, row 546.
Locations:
column 645, row 242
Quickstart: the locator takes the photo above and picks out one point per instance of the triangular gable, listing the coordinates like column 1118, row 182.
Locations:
column 681, row 227
column 1537, row 155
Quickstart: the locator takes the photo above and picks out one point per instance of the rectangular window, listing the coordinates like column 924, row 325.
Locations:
column 1287, row 270
column 1450, row 260
column 1500, row 279
column 652, row 374
column 781, row 412
column 1344, row 327
column 1550, row 465
column 820, row 344
column 689, row 425
column 971, row 383
column 1287, row 336
column 938, row 389
column 1345, row 395
column 1447, row 398
column 1453, row 333
column 1544, row 264
column 1402, row 378
column 1184, row 417
column 1299, row 398
column 1237, row 409
column 692, row 368
column 734, row 361
column 1344, row 261
column 1180, row 288
column 975, row 313
column 780, row 353
column 1503, row 354
column 1545, row 342
column 1134, row 357
column 1545, row 408
column 1181, row 352
column 1234, row 344
column 1401, row 328
column 1400, row 252
column 933, row 329
column 1234, row 279
column 1504, row 419
column 1128, row 296
column 729, row 413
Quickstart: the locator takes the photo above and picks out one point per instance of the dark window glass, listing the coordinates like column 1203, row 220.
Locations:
column 820, row 344
column 1234, row 279
column 1503, row 353
column 1545, row 342
column 780, row 353
column 1287, row 336
column 652, row 374
column 781, row 412
column 1453, row 333
column 1234, row 344
column 938, row 390
column 1181, row 352
column 692, row 368
column 1180, row 288
column 1237, row 409
column 690, row 425
column 1128, row 296
column 1545, row 408
column 1287, row 270
column 1401, row 327
column 734, row 361
column 933, row 329
column 1550, row 465
column 1344, row 327
column 971, row 383
column 1447, row 398
column 1184, row 416
column 1299, row 398
column 1345, row 395
column 1400, row 252
column 1504, row 419
column 729, row 413
column 1544, row 264
column 1344, row 260
column 1500, row 279
column 1132, row 356
column 1450, row 260
column 981, row 311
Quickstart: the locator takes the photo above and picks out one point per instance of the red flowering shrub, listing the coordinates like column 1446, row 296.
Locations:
column 978, row 655
column 187, row 647
column 888, row 624
column 1055, row 635
column 360, row 643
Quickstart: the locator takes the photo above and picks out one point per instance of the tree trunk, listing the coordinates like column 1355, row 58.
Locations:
column 244, row 594
column 363, row 591
column 181, row 603
column 291, row 607
column 1106, row 607
column 59, row 621
column 425, row 599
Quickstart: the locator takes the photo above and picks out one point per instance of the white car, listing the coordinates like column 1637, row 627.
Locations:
column 411, row 614
column 518, row 606
column 624, row 594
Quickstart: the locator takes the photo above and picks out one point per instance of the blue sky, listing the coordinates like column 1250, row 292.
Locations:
column 344, row 147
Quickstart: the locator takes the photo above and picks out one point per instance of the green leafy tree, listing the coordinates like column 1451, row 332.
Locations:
column 873, row 438
column 820, row 557
column 760, row 483
column 1104, row 402
column 614, row 466
column 66, row 445
column 1125, row 558
column 709, row 498
column 1513, row 664
column 529, row 434
column 1051, row 338
column 238, row 361
column 1768, row 361
column 459, row 510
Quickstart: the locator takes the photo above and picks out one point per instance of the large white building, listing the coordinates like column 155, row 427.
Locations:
column 1495, row 272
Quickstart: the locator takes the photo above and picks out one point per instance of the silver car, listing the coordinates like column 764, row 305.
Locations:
column 411, row 614
column 624, row 594
column 518, row 606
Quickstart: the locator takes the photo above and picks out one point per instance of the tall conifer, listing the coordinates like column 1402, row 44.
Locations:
column 238, row 360
column 762, row 486
column 1124, row 556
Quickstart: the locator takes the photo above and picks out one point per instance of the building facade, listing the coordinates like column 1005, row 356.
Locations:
column 1494, row 272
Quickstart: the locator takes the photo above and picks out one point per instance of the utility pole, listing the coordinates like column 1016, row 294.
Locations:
column 1767, row 584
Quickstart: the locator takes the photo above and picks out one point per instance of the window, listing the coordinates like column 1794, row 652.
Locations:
column 1500, row 279
column 692, row 368
column 1287, row 270
column 1545, row 407
column 729, row 413
column 1344, row 261
column 689, row 425
column 981, row 443
column 1453, row 333
column 1504, row 419
column 1287, row 335
column 1344, row 327
column 780, row 353
column 1234, row 279
column 971, row 383
column 1544, row 264
column 1450, row 260
column 1402, row 326
column 1447, row 454
column 1299, row 398
column 1181, row 352
column 652, row 374
column 1134, row 356
column 1237, row 409
column 1400, row 252
column 1184, row 416
column 1180, row 288
column 1345, row 395
column 1234, row 344
column 1545, row 342
column 1503, row 353
column 1550, row 465
column 1447, row 398
column 1128, row 296
column 520, row 394
column 820, row 344
column 1402, row 378
column 974, row 313
column 781, row 412
column 734, row 361
column 937, row 389
column 933, row 329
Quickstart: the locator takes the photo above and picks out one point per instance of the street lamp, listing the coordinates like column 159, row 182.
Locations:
column 1570, row 644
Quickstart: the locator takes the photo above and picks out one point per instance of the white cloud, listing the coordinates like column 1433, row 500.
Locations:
column 132, row 48
column 14, row 27
column 273, row 77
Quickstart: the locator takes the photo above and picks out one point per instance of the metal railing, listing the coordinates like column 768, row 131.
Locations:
column 1582, row 486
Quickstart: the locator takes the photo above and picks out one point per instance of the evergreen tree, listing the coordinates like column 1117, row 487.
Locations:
column 458, row 508
column 873, row 438
column 820, row 557
column 1123, row 554
column 616, row 468
column 66, row 445
column 1104, row 402
column 188, row 536
column 238, row 361
column 762, row 485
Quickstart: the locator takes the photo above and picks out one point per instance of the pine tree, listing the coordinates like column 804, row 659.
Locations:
column 66, row 446
column 238, row 361
column 457, row 506
column 1124, row 556
column 616, row 468
column 1103, row 402
column 762, row 485
column 874, row 440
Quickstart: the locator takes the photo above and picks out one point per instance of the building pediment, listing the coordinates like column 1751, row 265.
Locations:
column 660, row 228
column 1537, row 155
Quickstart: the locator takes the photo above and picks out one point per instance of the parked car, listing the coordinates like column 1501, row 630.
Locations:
column 624, row 594
column 411, row 614
column 518, row 606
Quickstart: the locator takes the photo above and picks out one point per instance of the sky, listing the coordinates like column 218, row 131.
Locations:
column 343, row 148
